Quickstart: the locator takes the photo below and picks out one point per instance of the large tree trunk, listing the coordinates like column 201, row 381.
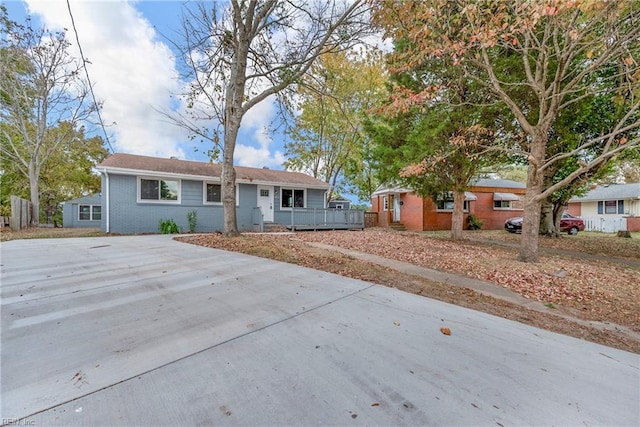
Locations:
column 532, row 202
column 34, row 178
column 457, row 216
column 228, row 178
column 558, row 210
column 547, row 219
column 233, row 112
column 229, row 194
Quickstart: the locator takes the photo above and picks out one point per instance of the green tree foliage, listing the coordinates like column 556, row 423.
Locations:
column 437, row 148
column 568, row 52
column 327, row 139
column 67, row 174
column 40, row 89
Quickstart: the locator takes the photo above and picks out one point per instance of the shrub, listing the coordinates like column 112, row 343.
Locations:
column 192, row 219
column 168, row 226
column 474, row 222
column 5, row 210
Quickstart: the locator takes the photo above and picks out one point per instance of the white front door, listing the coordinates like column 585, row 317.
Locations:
column 265, row 202
column 396, row 208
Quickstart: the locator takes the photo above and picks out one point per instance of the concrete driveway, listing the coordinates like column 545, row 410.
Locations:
column 148, row 331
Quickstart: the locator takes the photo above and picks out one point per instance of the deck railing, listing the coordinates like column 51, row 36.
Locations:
column 257, row 220
column 324, row 219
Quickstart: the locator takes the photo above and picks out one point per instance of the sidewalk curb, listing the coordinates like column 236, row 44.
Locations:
column 482, row 287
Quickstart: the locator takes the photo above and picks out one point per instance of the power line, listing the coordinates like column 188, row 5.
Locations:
column 86, row 71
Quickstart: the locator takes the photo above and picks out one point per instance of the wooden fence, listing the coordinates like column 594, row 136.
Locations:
column 20, row 213
column 371, row 219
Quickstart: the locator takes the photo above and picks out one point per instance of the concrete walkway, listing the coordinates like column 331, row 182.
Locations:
column 149, row 331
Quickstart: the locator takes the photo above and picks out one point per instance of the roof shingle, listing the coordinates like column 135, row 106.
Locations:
column 120, row 162
column 611, row 192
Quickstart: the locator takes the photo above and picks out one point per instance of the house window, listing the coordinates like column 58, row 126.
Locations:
column 611, row 207
column 502, row 204
column 444, row 202
column 163, row 190
column 385, row 203
column 214, row 193
column 89, row 213
column 292, row 198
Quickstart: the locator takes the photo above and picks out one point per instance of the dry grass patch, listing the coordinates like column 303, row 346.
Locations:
column 48, row 233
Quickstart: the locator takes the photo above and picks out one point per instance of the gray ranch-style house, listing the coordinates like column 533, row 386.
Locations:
column 84, row 212
column 138, row 192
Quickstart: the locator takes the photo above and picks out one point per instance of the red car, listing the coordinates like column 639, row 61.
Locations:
column 568, row 223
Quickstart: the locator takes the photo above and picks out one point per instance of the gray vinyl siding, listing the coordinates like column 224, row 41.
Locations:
column 71, row 216
column 127, row 216
column 315, row 199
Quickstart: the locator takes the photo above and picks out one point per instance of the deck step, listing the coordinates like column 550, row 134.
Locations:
column 270, row 227
column 398, row 226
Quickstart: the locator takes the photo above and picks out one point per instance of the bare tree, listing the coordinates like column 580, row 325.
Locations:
column 40, row 87
column 247, row 52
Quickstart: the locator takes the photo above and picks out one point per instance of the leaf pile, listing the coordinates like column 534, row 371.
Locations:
column 588, row 289
column 600, row 290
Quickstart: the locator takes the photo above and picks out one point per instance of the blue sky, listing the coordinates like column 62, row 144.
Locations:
column 134, row 74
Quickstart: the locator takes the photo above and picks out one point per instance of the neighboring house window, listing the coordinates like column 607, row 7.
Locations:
column 385, row 203
column 162, row 190
column 444, row 202
column 611, row 207
column 502, row 204
column 89, row 213
column 292, row 198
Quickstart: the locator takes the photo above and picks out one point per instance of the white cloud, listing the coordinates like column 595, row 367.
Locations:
column 132, row 72
column 253, row 147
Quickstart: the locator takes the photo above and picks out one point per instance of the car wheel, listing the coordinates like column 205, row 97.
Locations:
column 573, row 231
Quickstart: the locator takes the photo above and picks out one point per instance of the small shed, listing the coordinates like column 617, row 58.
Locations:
column 84, row 212
column 339, row 204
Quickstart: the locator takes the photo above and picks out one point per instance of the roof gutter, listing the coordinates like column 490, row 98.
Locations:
column 106, row 199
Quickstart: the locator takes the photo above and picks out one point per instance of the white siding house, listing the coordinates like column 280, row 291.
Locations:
column 609, row 208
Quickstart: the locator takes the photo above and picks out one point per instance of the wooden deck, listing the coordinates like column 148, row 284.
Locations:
column 326, row 219
column 317, row 219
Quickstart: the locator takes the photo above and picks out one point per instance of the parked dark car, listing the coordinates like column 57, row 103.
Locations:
column 568, row 223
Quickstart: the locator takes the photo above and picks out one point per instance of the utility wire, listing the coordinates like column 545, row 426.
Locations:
column 86, row 71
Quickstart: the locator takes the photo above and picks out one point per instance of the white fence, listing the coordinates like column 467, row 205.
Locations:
column 607, row 225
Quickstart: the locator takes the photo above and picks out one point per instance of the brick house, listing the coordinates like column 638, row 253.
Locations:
column 492, row 201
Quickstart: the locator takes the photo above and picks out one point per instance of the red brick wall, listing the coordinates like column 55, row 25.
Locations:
column 633, row 223
column 492, row 219
column 434, row 220
column 411, row 211
column 418, row 214
column 574, row 209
